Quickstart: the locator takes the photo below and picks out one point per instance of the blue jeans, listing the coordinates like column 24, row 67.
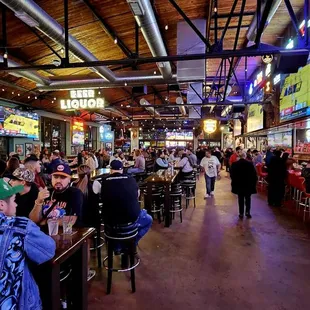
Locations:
column 134, row 170
column 144, row 223
column 210, row 182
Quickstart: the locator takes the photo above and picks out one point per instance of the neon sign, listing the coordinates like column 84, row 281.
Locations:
column 82, row 99
column 259, row 78
column 251, row 89
column 268, row 70
column 277, row 79
column 209, row 125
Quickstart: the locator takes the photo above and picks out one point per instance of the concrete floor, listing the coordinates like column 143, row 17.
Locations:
column 215, row 261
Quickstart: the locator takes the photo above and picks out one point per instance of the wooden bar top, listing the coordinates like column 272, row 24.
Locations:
column 162, row 176
column 66, row 245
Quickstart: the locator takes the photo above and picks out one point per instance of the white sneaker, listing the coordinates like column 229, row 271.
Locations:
column 212, row 193
column 206, row 196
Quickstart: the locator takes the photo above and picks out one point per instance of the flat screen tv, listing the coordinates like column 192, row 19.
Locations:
column 16, row 123
column 295, row 95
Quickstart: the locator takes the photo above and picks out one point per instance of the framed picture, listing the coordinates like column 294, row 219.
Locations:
column 19, row 149
column 29, row 148
column 108, row 145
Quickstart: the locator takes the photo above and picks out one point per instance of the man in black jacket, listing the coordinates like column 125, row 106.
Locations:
column 243, row 183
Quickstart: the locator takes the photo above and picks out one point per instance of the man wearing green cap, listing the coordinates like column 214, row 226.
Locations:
column 21, row 241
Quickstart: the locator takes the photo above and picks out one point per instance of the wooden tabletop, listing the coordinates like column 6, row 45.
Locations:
column 96, row 174
column 66, row 245
column 162, row 176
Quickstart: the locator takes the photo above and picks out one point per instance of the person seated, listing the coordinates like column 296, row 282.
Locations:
column 55, row 160
column 2, row 167
column 11, row 166
column 139, row 163
column 186, row 166
column 120, row 194
column 26, row 198
column 305, row 173
column 61, row 196
column 172, row 155
column 91, row 190
column 161, row 162
column 32, row 163
column 192, row 158
column 122, row 158
column 21, row 242
column 114, row 157
column 258, row 158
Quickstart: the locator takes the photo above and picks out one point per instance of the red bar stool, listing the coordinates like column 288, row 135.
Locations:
column 261, row 175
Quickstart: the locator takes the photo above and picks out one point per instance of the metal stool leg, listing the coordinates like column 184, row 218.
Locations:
column 132, row 271
column 98, row 248
column 110, row 266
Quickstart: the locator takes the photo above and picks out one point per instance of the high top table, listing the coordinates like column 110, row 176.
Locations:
column 71, row 249
column 166, row 178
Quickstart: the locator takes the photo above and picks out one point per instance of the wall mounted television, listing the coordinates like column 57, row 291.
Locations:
column 16, row 123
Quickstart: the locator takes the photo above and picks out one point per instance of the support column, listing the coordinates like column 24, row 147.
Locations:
column 134, row 138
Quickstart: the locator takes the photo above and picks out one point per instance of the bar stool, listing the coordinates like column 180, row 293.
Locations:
column 127, row 239
column 157, row 201
column 176, row 201
column 189, row 187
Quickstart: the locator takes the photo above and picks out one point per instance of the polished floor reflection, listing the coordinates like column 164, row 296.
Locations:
column 215, row 261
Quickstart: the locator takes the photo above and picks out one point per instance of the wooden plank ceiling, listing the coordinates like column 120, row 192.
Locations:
column 25, row 47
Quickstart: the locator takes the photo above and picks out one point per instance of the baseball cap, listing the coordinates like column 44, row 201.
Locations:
column 32, row 157
column 62, row 169
column 23, row 174
column 7, row 190
column 116, row 165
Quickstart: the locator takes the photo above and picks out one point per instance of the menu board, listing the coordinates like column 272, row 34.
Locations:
column 302, row 144
column 16, row 123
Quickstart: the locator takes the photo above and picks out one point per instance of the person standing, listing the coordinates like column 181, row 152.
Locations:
column 192, row 158
column 258, row 158
column 243, row 183
column 234, row 157
column 276, row 179
column 212, row 167
column 227, row 155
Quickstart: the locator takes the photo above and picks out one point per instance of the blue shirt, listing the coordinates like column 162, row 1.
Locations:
column 21, row 241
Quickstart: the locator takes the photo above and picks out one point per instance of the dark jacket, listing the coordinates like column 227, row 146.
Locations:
column 243, row 177
column 277, row 172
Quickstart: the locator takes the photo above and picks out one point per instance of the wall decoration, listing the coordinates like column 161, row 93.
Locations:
column 19, row 149
column 29, row 148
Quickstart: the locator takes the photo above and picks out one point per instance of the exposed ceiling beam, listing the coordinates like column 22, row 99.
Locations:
column 250, row 52
column 109, row 31
column 237, row 14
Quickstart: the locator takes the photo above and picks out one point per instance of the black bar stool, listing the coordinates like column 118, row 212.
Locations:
column 157, row 201
column 176, row 201
column 127, row 240
column 189, row 187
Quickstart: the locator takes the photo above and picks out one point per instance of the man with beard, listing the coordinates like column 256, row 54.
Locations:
column 61, row 196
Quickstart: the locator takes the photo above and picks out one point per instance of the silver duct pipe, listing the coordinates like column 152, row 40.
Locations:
column 151, row 110
column 99, row 83
column 149, row 27
column 32, row 14
column 115, row 111
column 29, row 75
column 252, row 30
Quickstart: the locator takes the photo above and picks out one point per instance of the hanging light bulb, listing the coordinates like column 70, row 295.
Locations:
column 5, row 55
column 166, row 27
column 28, row 97
column 115, row 41
column 18, row 95
column 36, row 97
column 125, row 84
column 2, row 89
column 99, row 92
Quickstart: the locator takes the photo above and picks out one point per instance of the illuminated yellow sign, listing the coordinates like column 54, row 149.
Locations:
column 82, row 99
column 209, row 125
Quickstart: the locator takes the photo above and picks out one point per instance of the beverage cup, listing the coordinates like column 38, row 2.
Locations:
column 67, row 226
column 52, row 227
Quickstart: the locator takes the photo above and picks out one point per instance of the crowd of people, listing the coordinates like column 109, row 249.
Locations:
column 36, row 188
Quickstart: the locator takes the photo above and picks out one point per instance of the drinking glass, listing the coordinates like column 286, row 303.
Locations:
column 67, row 224
column 52, row 227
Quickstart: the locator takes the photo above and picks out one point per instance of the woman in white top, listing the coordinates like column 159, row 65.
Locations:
column 90, row 162
column 186, row 166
